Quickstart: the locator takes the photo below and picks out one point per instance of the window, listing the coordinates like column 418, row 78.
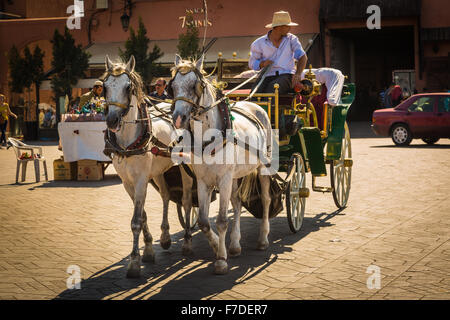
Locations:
column 444, row 104
column 423, row 104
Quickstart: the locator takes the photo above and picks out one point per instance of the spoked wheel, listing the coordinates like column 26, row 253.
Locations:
column 194, row 216
column 341, row 172
column 296, row 194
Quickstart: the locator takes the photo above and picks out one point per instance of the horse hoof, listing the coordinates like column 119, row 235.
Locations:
column 220, row 267
column 186, row 251
column 263, row 246
column 234, row 252
column 148, row 258
column 134, row 270
column 166, row 244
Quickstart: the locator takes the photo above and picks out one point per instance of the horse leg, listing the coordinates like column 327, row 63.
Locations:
column 186, row 201
column 263, row 242
column 225, row 187
column 149, row 254
column 140, row 192
column 165, row 195
column 235, row 236
column 204, row 199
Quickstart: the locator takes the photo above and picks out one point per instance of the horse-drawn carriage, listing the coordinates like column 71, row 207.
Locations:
column 319, row 141
column 136, row 146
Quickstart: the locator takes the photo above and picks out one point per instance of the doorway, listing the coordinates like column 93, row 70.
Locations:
column 369, row 57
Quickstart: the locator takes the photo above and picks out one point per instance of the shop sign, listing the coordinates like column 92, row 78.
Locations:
column 199, row 21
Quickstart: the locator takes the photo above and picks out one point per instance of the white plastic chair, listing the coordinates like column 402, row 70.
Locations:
column 36, row 157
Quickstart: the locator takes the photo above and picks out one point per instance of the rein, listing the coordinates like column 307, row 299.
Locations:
column 204, row 109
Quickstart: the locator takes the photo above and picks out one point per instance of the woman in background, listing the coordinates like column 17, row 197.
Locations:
column 5, row 112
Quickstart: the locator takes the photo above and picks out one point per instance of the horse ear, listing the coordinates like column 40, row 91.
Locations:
column 199, row 63
column 177, row 60
column 131, row 64
column 108, row 63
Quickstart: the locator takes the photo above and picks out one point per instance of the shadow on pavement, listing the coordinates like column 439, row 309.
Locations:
column 361, row 129
column 415, row 146
column 109, row 180
column 178, row 277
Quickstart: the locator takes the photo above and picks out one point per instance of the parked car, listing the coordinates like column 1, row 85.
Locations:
column 425, row 116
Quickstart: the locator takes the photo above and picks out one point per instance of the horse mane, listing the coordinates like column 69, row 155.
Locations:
column 186, row 66
column 137, row 84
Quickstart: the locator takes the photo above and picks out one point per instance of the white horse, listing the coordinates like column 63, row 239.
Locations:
column 132, row 160
column 193, row 93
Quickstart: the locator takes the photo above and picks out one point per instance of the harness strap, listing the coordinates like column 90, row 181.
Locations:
column 248, row 115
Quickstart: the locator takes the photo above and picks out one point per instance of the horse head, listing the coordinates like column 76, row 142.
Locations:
column 186, row 87
column 121, row 83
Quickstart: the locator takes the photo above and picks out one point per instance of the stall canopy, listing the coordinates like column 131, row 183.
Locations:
column 226, row 45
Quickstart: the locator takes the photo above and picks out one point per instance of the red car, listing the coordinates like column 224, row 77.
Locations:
column 425, row 116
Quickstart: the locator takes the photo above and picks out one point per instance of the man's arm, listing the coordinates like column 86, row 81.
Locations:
column 301, row 64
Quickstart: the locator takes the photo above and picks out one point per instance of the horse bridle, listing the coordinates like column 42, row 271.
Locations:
column 200, row 85
column 116, row 74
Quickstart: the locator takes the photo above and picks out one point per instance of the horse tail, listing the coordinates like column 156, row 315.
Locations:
column 248, row 184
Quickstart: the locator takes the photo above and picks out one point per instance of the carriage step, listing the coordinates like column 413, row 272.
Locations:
column 322, row 189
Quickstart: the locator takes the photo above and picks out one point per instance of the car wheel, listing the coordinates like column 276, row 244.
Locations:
column 401, row 135
column 430, row 141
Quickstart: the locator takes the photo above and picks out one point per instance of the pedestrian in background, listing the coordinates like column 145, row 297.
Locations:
column 5, row 112
column 387, row 102
column 160, row 90
column 396, row 94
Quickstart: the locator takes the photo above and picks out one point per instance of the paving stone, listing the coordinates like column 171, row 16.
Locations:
column 398, row 219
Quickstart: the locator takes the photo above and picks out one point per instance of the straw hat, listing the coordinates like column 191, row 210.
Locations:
column 281, row 18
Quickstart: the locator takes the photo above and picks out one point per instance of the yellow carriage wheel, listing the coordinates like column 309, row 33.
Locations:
column 341, row 172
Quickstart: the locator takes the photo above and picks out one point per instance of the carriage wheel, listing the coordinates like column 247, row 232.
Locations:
column 341, row 172
column 296, row 194
column 194, row 216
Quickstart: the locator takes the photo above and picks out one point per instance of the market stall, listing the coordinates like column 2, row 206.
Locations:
column 81, row 134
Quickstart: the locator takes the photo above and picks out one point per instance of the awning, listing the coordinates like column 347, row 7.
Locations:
column 82, row 83
column 226, row 45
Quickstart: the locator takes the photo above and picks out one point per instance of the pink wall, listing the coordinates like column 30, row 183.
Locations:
column 435, row 13
column 228, row 18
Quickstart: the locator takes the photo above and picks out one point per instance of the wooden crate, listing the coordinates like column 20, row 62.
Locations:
column 90, row 171
column 64, row 170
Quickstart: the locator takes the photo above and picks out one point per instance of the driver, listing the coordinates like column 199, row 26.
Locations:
column 280, row 49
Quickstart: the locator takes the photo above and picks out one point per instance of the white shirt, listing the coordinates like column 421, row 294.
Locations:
column 333, row 80
column 283, row 57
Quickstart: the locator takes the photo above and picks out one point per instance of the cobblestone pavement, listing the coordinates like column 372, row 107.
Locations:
column 398, row 219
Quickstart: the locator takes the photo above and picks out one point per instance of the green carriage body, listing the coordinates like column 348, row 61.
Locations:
column 310, row 148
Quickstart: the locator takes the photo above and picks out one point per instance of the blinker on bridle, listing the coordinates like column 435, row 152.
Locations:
column 199, row 87
column 117, row 74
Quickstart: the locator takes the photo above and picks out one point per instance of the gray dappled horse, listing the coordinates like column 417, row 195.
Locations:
column 194, row 99
column 132, row 160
